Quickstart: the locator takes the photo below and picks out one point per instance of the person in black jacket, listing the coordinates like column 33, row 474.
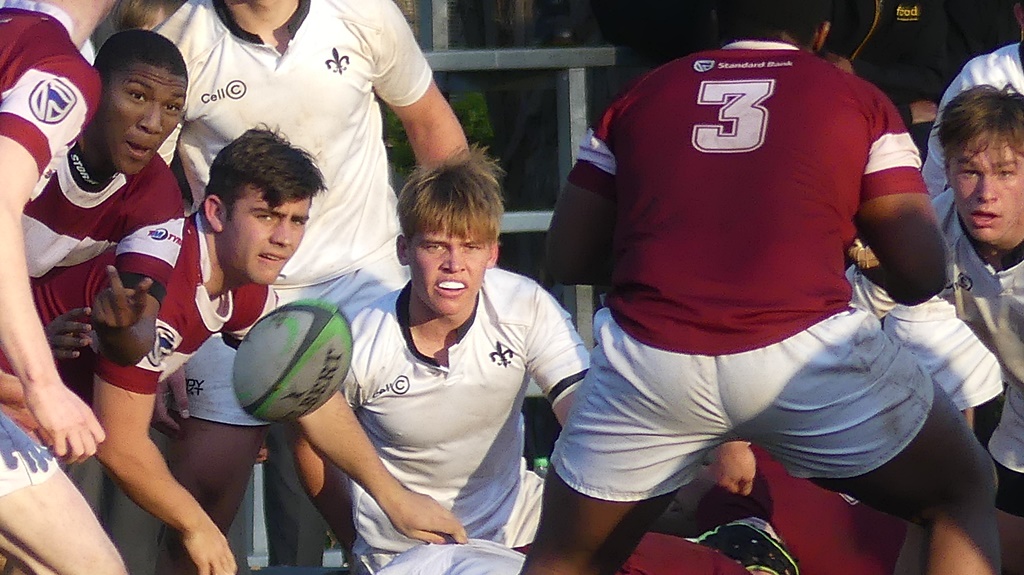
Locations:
column 898, row 45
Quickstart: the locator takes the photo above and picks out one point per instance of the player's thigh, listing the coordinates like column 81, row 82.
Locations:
column 836, row 400
column 214, row 461
column 50, row 528
column 944, row 466
column 641, row 420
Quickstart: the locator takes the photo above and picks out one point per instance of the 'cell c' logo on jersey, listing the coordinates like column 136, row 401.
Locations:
column 234, row 90
column 337, row 63
column 398, row 387
column 52, row 100
column 703, row 65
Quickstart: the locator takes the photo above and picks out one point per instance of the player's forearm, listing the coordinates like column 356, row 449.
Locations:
column 334, row 431
column 21, row 333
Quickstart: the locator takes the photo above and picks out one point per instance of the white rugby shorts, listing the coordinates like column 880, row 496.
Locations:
column 214, row 398
column 25, row 462
column 834, row 401
column 949, row 352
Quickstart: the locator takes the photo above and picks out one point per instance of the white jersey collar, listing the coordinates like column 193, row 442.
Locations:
column 56, row 12
column 759, row 45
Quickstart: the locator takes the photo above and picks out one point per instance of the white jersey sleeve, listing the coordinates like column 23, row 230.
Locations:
column 403, row 74
column 557, row 359
column 948, row 350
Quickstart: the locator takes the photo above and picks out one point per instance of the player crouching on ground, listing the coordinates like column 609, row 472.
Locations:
column 982, row 220
column 457, row 347
column 251, row 222
column 110, row 189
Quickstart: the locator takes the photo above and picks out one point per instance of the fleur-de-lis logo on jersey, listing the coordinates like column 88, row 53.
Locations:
column 501, row 355
column 337, row 63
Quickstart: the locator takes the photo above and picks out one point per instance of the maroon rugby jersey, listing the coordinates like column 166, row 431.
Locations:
column 48, row 89
column 736, row 175
column 67, row 224
column 187, row 318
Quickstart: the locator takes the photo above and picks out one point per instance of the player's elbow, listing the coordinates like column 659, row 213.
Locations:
column 912, row 290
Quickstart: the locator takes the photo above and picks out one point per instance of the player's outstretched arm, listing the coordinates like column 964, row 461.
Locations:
column 66, row 424
column 139, row 468
column 904, row 235
column 434, row 131
column 125, row 319
column 334, row 431
column 579, row 241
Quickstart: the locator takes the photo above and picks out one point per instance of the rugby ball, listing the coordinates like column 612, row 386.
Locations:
column 292, row 361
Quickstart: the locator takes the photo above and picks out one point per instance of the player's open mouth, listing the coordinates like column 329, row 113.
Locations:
column 983, row 219
column 137, row 150
column 451, row 285
column 272, row 258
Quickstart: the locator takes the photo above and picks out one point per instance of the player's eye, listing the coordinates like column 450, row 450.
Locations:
column 136, row 95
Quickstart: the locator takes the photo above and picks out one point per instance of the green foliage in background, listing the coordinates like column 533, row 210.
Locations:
column 470, row 108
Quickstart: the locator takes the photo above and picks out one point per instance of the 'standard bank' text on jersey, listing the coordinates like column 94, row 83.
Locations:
column 736, row 175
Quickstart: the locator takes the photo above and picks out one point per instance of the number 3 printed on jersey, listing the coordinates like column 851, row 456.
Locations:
column 743, row 120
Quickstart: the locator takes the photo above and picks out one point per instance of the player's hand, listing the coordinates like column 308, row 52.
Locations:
column 117, row 306
column 923, row 111
column 69, row 332
column 66, row 424
column 209, row 549
column 734, row 467
column 862, row 255
column 420, row 517
column 171, row 391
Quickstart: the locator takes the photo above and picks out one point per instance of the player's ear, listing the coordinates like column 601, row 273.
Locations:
column 402, row 249
column 493, row 259
column 820, row 33
column 215, row 212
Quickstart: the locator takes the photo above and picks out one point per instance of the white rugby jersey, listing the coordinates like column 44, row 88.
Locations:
column 999, row 69
column 991, row 302
column 455, row 433
column 321, row 95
